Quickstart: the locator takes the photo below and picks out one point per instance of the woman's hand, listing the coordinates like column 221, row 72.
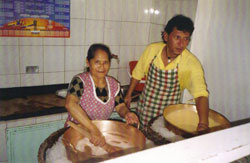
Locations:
column 131, row 118
column 124, row 112
column 97, row 138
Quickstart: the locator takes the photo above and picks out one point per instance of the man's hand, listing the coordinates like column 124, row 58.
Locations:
column 203, row 112
column 127, row 100
column 202, row 128
column 128, row 97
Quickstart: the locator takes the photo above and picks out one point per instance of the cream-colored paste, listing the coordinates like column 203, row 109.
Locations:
column 187, row 120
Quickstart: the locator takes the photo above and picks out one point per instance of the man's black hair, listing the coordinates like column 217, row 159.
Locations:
column 181, row 23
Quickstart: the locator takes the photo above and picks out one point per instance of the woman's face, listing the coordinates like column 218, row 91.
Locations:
column 99, row 65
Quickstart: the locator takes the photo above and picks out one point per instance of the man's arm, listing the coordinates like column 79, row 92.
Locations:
column 133, row 83
column 202, row 106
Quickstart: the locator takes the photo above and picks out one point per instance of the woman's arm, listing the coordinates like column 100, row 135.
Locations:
column 124, row 112
column 73, row 107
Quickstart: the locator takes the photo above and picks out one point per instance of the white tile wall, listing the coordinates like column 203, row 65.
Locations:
column 123, row 76
column 77, row 9
column 7, row 81
column 53, row 58
column 121, row 24
column 9, row 41
column 75, row 58
column 9, row 60
column 94, row 31
column 128, row 36
column 130, row 10
column 53, row 41
column 31, row 56
column 112, row 33
column 126, row 55
column 95, row 9
column 159, row 5
column 113, row 72
column 155, row 32
column 31, row 79
column 115, row 62
column 70, row 74
column 113, row 10
column 53, row 78
column 142, row 30
column 77, row 32
column 30, row 41
column 142, row 6
column 138, row 52
column 187, row 8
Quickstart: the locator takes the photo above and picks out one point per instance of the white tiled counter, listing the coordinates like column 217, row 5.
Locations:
column 7, row 128
column 217, row 147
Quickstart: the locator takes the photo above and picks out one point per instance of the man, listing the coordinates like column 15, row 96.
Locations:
column 170, row 68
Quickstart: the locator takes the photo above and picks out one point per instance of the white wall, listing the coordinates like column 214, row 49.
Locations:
column 121, row 24
column 169, row 8
column 221, row 41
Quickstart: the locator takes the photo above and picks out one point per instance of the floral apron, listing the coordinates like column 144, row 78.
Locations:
column 162, row 88
column 95, row 108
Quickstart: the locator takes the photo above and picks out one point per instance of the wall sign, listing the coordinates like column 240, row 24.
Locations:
column 35, row 18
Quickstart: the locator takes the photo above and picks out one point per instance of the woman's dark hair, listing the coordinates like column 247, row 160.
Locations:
column 181, row 22
column 94, row 47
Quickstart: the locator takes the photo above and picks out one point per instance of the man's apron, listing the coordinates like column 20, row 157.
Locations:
column 162, row 88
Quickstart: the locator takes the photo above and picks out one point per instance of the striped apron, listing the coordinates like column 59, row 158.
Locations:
column 162, row 88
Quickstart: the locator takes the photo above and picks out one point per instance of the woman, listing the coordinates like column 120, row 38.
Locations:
column 94, row 95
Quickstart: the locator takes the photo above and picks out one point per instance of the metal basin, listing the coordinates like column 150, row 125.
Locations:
column 182, row 119
column 112, row 130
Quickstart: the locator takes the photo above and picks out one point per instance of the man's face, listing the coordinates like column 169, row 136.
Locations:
column 177, row 42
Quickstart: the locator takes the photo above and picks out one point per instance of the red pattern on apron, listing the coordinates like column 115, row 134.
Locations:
column 162, row 88
column 95, row 108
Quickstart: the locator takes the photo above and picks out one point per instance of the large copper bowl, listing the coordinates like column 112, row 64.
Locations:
column 182, row 119
column 110, row 129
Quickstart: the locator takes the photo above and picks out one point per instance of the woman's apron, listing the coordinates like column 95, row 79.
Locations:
column 162, row 88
